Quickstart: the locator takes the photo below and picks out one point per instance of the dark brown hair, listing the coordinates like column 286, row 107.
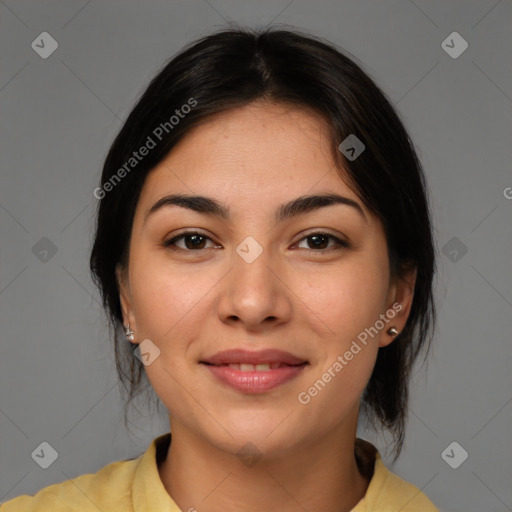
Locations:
column 235, row 67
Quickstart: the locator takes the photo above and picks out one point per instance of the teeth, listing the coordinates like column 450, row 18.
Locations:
column 263, row 367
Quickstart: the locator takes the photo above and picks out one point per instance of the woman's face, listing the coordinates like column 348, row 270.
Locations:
column 312, row 281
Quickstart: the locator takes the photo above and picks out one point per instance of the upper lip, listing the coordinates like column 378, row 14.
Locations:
column 241, row 356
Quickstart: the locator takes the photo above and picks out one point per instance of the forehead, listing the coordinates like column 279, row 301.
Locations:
column 259, row 152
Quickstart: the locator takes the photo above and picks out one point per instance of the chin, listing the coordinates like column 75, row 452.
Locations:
column 259, row 444
column 267, row 432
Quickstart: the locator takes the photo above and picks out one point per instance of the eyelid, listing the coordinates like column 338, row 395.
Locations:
column 326, row 232
column 339, row 242
column 168, row 243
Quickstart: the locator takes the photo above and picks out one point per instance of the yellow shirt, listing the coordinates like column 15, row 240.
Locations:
column 135, row 486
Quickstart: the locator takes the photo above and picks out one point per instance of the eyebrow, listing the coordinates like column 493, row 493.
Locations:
column 298, row 206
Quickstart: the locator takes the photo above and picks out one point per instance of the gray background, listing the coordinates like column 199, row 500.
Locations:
column 59, row 116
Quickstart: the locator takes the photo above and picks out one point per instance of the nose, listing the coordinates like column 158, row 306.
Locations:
column 254, row 293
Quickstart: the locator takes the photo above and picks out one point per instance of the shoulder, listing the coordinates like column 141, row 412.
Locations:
column 108, row 489
column 400, row 494
column 387, row 492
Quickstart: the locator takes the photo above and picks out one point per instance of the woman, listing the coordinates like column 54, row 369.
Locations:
column 264, row 241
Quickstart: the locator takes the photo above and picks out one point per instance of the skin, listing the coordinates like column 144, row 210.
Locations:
column 312, row 304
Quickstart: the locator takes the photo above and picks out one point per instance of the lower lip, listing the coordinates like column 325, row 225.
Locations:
column 255, row 381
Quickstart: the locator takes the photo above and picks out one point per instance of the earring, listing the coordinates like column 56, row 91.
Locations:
column 392, row 331
column 129, row 333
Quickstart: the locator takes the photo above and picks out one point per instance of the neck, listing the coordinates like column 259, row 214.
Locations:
column 321, row 475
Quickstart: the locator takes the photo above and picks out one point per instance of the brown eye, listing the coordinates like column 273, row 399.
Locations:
column 193, row 240
column 318, row 242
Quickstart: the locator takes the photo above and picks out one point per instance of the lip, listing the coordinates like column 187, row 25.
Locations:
column 241, row 356
column 256, row 381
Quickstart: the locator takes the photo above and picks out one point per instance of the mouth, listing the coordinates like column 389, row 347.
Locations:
column 261, row 367
column 271, row 357
column 254, row 372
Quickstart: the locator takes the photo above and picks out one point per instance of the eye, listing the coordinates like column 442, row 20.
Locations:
column 194, row 240
column 320, row 242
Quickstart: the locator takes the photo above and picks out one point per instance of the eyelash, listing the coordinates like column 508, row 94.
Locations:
column 341, row 244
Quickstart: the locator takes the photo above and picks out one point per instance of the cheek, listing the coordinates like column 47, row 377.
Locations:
column 169, row 303
column 334, row 393
column 349, row 303
column 167, row 298
column 349, row 298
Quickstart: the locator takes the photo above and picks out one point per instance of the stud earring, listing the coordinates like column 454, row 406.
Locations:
column 392, row 331
column 129, row 333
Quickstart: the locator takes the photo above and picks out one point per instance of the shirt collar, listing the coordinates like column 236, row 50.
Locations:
column 149, row 493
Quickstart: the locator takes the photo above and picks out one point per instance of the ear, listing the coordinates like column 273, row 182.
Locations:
column 125, row 298
column 400, row 297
